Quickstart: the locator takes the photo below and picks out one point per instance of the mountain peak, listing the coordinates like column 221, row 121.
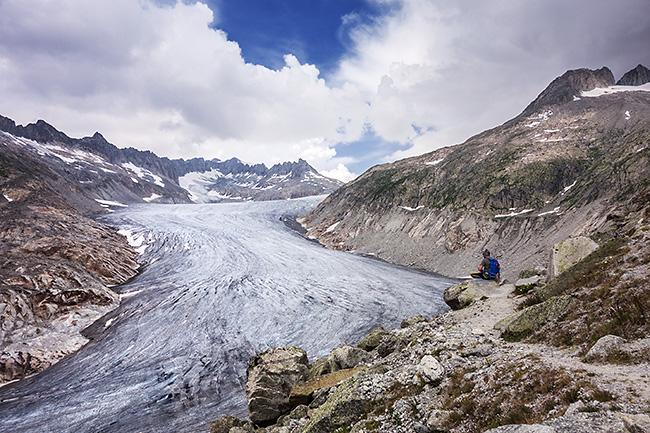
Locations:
column 569, row 85
column 636, row 77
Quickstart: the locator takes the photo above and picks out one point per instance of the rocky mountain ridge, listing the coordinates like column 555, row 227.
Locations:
column 56, row 267
column 110, row 174
column 572, row 160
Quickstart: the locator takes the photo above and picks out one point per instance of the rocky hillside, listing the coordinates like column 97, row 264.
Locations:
column 120, row 176
column 56, row 265
column 577, row 157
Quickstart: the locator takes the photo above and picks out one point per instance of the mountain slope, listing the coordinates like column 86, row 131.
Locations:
column 116, row 176
column 56, row 266
column 557, row 170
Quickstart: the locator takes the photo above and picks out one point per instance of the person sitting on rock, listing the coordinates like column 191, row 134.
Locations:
column 484, row 267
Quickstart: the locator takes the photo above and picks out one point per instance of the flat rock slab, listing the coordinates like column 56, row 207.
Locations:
column 463, row 294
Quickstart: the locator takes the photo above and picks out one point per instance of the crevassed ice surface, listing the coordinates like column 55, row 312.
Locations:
column 222, row 283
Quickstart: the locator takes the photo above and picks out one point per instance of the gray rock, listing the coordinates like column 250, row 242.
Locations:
column 372, row 340
column 575, row 423
column 605, row 346
column 463, row 294
column 247, row 428
column 532, row 428
column 223, row 425
column 319, row 397
column 412, row 321
column 569, row 252
column 347, row 356
column 299, row 412
column 635, row 423
column 636, row 77
column 430, row 369
column 437, row 421
column 344, row 406
column 270, row 377
column 525, row 284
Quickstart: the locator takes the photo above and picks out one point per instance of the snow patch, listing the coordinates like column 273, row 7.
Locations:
column 107, row 203
column 569, row 187
column 153, row 197
column 9, row 199
column 627, row 115
column 197, row 184
column 511, row 214
column 436, row 162
column 332, row 227
column 411, row 209
column 136, row 241
column 554, row 211
column 615, row 89
column 144, row 174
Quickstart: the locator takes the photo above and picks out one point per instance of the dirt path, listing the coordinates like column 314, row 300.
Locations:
column 630, row 384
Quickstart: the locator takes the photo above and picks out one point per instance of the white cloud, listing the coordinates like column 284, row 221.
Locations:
column 429, row 73
column 438, row 72
column 157, row 77
column 341, row 173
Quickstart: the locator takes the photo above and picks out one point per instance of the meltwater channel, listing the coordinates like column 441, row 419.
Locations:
column 220, row 283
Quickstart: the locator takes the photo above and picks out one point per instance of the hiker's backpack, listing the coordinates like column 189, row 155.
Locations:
column 494, row 273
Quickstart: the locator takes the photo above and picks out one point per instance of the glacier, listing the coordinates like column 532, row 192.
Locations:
column 220, row 283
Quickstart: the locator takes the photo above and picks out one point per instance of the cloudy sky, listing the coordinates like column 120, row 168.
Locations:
column 344, row 84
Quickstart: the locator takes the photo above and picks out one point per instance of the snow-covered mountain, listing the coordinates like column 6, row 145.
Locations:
column 115, row 177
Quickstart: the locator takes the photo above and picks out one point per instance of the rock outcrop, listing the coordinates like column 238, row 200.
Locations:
column 270, row 377
column 57, row 266
column 535, row 316
column 569, row 252
column 569, row 86
column 636, row 77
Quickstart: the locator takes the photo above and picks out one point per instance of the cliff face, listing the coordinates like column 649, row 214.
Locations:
column 57, row 266
column 570, row 160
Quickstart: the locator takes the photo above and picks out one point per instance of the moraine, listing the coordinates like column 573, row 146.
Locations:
column 221, row 283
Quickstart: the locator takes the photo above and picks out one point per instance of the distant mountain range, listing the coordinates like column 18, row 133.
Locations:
column 57, row 266
column 114, row 176
column 574, row 162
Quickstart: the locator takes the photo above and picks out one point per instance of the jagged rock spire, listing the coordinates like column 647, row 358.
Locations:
column 636, row 77
column 570, row 84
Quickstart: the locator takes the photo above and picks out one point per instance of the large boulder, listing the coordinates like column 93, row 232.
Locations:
column 343, row 407
column 372, row 340
column 430, row 369
column 569, row 252
column 605, row 346
column 524, row 285
column 270, row 377
column 463, row 294
column 346, row 356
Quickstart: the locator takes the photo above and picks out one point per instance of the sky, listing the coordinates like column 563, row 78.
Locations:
column 343, row 84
